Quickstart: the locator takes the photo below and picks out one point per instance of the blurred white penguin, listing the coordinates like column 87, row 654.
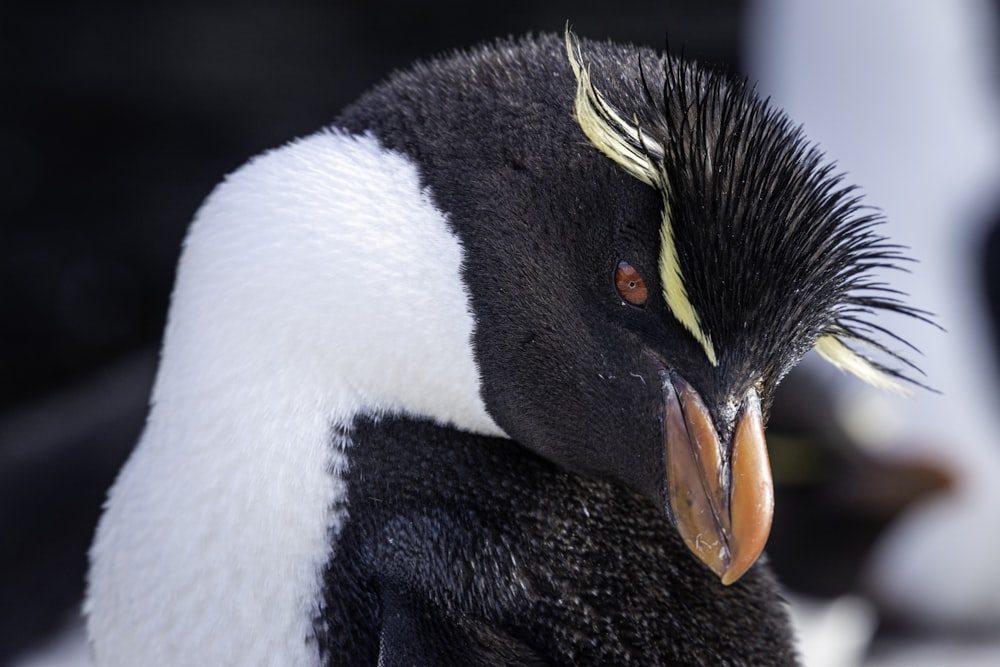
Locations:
column 905, row 95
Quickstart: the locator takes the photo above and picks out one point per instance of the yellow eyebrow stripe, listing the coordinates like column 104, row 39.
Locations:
column 674, row 291
column 626, row 146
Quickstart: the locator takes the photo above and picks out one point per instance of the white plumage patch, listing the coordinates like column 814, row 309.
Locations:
column 630, row 149
column 316, row 283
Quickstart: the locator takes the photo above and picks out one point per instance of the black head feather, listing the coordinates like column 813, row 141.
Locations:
column 777, row 253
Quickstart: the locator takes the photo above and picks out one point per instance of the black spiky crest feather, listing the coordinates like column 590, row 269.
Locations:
column 771, row 246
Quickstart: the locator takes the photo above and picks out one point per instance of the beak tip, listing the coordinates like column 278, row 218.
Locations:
column 728, row 568
column 735, row 572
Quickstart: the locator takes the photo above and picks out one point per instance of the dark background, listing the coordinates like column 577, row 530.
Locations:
column 117, row 120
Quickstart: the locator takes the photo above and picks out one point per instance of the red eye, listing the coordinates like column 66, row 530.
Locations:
column 630, row 285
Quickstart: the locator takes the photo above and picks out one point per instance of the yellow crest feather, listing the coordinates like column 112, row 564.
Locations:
column 833, row 350
column 603, row 125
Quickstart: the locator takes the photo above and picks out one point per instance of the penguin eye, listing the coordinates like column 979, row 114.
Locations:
column 630, row 285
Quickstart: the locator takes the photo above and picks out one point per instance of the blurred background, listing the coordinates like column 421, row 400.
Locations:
column 119, row 118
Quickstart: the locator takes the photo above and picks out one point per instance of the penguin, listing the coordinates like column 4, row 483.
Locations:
column 478, row 375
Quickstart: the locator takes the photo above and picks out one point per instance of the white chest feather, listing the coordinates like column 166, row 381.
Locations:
column 317, row 282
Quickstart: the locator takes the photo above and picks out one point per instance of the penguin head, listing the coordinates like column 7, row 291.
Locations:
column 673, row 255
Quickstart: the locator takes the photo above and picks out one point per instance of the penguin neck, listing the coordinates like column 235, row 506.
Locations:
column 305, row 296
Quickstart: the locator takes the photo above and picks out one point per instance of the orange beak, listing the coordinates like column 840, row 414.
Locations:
column 721, row 499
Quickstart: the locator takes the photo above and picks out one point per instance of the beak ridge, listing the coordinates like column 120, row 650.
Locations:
column 752, row 491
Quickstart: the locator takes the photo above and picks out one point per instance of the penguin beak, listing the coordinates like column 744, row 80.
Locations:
column 720, row 498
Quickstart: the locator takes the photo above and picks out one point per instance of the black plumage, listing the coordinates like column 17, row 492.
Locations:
column 467, row 550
